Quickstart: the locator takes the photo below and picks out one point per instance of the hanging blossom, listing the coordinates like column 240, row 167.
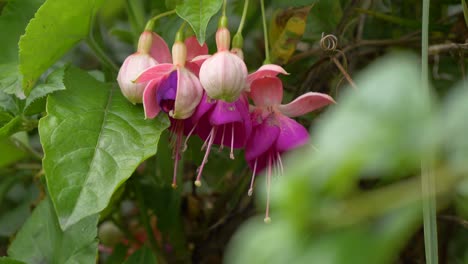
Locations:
column 222, row 118
column 174, row 88
column 151, row 51
column 224, row 74
column 273, row 130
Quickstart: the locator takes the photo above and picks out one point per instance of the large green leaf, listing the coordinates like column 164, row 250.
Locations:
column 5, row 260
column 15, row 17
column 198, row 13
column 41, row 240
column 93, row 140
column 57, row 26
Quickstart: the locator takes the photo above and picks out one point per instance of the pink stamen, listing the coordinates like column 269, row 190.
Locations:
column 267, row 211
column 231, row 155
column 278, row 158
column 205, row 158
column 250, row 192
column 222, row 139
column 176, row 148
column 206, row 140
column 188, row 136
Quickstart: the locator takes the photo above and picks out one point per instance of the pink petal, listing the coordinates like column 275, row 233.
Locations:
column 159, row 50
column 195, row 64
column 292, row 134
column 156, row 72
column 150, row 103
column 306, row 103
column 194, row 48
column 262, row 139
column 268, row 70
column 266, row 91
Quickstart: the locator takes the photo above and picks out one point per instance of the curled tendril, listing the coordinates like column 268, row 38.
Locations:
column 328, row 42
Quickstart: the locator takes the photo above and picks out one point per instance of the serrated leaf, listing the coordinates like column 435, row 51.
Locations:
column 93, row 140
column 143, row 255
column 57, row 26
column 41, row 240
column 15, row 17
column 287, row 29
column 53, row 83
column 198, row 13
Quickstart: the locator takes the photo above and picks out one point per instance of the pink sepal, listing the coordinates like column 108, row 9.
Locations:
column 266, row 91
column 156, row 72
column 150, row 104
column 194, row 48
column 268, row 70
column 159, row 50
column 306, row 103
column 189, row 94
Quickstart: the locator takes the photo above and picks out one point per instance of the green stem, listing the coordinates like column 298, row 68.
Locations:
column 100, row 54
column 224, row 7
column 428, row 175
column 244, row 15
column 146, row 223
column 265, row 33
column 150, row 24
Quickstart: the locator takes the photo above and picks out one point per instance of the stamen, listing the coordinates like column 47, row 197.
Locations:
column 231, row 155
column 188, row 136
column 176, row 156
column 205, row 158
column 206, row 140
column 253, row 179
column 267, row 212
column 278, row 158
column 221, row 146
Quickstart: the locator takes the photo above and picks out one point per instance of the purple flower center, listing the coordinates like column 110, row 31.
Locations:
column 167, row 92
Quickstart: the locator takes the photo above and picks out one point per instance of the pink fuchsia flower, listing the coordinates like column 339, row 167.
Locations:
column 151, row 50
column 224, row 74
column 274, row 132
column 222, row 123
column 175, row 89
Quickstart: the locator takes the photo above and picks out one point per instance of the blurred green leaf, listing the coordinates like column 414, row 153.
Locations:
column 15, row 17
column 323, row 17
column 57, row 26
column 465, row 11
column 113, row 140
column 10, row 153
column 13, row 126
column 143, row 255
column 5, row 260
column 41, row 240
column 8, row 103
column 198, row 13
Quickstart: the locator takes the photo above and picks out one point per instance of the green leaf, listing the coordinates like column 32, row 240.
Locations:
column 110, row 139
column 57, row 26
column 15, row 17
column 143, row 255
column 5, row 260
column 41, row 240
column 465, row 11
column 198, row 13
column 13, row 126
column 36, row 100
column 10, row 153
column 8, row 103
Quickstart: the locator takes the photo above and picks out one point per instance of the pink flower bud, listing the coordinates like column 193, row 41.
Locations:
column 224, row 76
column 132, row 67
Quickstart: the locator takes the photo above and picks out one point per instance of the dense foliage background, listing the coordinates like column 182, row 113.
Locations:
column 85, row 178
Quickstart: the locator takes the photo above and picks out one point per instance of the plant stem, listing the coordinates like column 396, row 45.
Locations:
column 101, row 55
column 265, row 33
column 428, row 175
column 244, row 14
column 224, row 7
column 150, row 24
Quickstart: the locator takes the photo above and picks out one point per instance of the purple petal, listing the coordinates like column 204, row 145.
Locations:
column 262, row 138
column 205, row 105
column 167, row 92
column 292, row 134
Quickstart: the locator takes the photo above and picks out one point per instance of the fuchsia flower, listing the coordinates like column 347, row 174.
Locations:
column 273, row 130
column 151, row 50
column 175, row 89
column 222, row 123
column 224, row 74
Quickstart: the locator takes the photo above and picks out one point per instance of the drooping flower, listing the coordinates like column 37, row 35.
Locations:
column 175, row 89
column 274, row 132
column 151, row 50
column 224, row 74
column 222, row 123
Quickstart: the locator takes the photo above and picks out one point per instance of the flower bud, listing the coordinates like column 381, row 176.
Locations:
column 145, row 42
column 224, row 76
column 130, row 70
